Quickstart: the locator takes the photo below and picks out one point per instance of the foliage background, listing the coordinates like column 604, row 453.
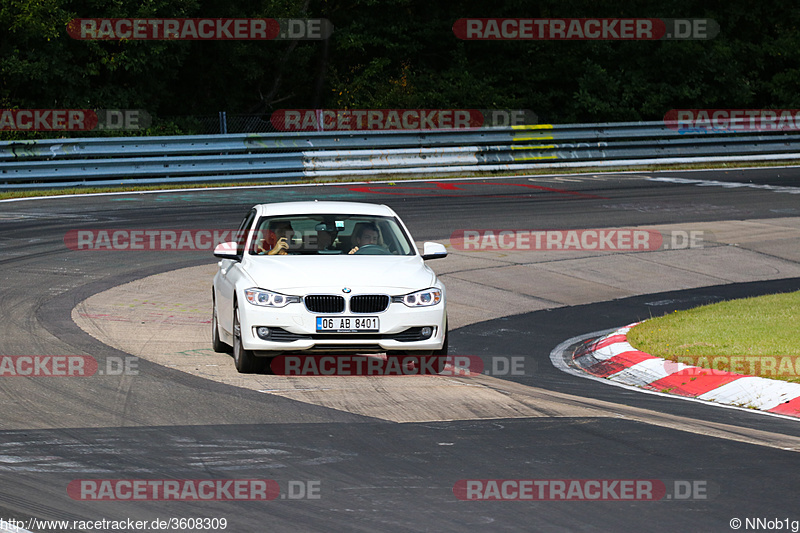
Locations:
column 400, row 54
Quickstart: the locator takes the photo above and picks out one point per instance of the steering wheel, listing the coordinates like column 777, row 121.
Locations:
column 372, row 249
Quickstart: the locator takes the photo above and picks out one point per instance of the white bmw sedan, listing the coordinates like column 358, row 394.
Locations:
column 334, row 277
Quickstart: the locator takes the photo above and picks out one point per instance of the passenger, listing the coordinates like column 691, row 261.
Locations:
column 277, row 240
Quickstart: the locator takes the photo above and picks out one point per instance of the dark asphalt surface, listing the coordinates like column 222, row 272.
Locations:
column 373, row 475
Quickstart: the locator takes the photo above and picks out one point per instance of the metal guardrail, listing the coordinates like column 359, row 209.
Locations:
column 283, row 156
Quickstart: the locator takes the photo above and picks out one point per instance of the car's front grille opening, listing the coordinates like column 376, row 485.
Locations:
column 357, row 348
column 324, row 303
column 369, row 303
column 281, row 335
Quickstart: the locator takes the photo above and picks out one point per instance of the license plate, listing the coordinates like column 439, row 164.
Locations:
column 348, row 324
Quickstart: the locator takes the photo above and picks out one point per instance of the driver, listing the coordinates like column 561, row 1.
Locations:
column 364, row 234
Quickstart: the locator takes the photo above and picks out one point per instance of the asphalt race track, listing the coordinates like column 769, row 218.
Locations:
column 368, row 473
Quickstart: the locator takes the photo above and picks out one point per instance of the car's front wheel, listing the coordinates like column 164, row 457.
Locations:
column 245, row 361
column 428, row 359
column 216, row 342
column 441, row 355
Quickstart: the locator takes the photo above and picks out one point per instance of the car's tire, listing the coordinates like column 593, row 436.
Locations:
column 399, row 355
column 426, row 364
column 441, row 355
column 216, row 342
column 443, row 350
column 245, row 361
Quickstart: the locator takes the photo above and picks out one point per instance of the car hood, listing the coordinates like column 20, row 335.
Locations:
column 333, row 273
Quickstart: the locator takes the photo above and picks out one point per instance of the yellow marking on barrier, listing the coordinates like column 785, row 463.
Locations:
column 540, row 147
column 533, row 127
column 517, row 139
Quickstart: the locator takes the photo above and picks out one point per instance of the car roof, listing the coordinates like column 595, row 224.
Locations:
column 324, row 207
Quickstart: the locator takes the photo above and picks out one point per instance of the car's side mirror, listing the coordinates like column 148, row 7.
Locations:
column 433, row 250
column 226, row 250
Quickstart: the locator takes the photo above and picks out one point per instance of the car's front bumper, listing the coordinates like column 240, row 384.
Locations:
column 297, row 322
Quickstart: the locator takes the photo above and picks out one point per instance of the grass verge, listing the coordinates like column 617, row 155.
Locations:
column 757, row 336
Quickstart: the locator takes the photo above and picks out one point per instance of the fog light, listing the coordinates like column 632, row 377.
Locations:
column 262, row 332
column 426, row 332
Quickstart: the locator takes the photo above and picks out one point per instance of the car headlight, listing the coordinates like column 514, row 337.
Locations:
column 423, row 298
column 269, row 298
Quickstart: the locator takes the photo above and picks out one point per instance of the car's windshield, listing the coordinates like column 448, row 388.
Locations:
column 329, row 234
